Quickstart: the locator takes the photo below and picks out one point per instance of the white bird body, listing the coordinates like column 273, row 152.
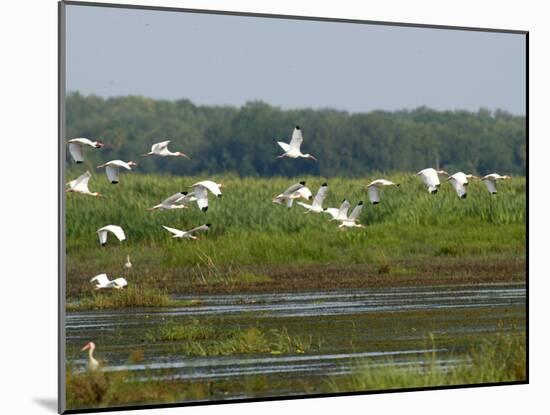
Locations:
column 292, row 149
column 176, row 201
column 460, row 183
column 80, row 185
column 431, row 179
column 93, row 364
column 112, row 167
column 127, row 264
column 114, row 229
column 351, row 221
column 176, row 233
column 317, row 205
column 490, row 181
column 102, row 281
column 161, row 149
column 75, row 147
column 296, row 191
column 200, row 192
column 373, row 189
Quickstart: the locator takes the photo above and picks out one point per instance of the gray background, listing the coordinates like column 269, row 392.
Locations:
column 219, row 60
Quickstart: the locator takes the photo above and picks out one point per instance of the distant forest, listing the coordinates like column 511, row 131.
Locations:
column 222, row 139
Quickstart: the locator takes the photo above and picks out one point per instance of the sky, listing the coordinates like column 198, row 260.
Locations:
column 230, row 60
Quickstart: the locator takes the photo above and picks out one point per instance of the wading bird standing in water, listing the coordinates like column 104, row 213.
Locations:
column 111, row 168
column 93, row 364
column 75, row 147
column 292, row 149
column 460, row 183
column 80, row 185
column 431, row 179
column 161, row 149
column 490, row 181
column 373, row 189
column 127, row 265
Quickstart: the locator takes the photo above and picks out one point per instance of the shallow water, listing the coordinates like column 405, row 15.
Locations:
column 376, row 324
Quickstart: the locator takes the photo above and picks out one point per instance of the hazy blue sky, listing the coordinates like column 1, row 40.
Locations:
column 212, row 59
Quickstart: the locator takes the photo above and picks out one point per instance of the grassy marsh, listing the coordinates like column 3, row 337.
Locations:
column 253, row 242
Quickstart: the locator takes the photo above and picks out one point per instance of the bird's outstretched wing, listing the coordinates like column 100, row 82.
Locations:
column 112, row 174
column 320, row 196
column 459, row 187
column 81, row 182
column 305, row 205
column 76, row 152
column 332, row 212
column 160, row 146
column 117, row 231
column 101, row 279
column 297, row 139
column 202, row 228
column 292, row 189
column 175, row 198
column 356, row 212
column 210, row 185
column 305, row 193
column 284, row 146
column 491, row 186
column 174, row 231
column 202, row 198
column 343, row 210
column 374, row 196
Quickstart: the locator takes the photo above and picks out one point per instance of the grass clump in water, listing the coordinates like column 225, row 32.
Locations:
column 196, row 339
column 132, row 296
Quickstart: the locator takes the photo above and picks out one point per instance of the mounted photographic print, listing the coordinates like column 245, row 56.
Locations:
column 261, row 207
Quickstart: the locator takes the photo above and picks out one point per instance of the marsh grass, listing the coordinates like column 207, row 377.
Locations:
column 501, row 358
column 248, row 230
column 133, row 296
column 204, row 339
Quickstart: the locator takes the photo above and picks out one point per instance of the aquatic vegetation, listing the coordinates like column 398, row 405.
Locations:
column 132, row 296
column 206, row 339
column 500, row 358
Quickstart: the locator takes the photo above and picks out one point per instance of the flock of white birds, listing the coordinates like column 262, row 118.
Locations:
column 199, row 195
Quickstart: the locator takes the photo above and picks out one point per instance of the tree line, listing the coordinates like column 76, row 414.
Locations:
column 242, row 140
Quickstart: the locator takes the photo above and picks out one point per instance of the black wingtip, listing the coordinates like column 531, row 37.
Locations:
column 183, row 193
column 463, row 196
column 297, row 127
column 220, row 195
column 303, row 183
column 103, row 244
column 79, row 162
column 375, row 203
column 324, row 184
column 493, row 193
column 114, row 182
column 208, row 224
column 204, row 209
column 398, row 184
column 360, row 203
